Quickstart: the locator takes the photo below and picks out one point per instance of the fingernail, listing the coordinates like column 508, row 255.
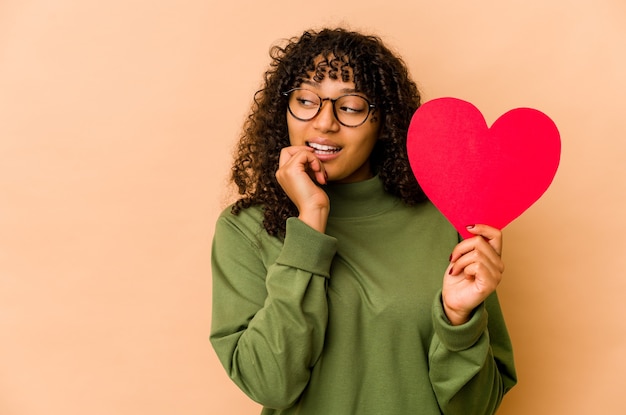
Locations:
column 470, row 226
column 450, row 259
column 450, row 272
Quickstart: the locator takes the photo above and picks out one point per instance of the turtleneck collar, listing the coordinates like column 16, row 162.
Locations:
column 365, row 198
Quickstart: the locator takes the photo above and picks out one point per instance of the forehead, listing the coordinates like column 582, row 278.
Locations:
column 330, row 86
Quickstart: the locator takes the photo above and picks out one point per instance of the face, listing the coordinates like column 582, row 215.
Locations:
column 344, row 151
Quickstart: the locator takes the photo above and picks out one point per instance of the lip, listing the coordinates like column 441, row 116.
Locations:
column 324, row 149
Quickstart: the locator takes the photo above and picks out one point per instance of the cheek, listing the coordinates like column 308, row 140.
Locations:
column 370, row 144
column 372, row 136
column 292, row 130
column 289, row 132
column 362, row 149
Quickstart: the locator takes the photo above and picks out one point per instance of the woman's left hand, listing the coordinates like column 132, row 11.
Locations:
column 474, row 273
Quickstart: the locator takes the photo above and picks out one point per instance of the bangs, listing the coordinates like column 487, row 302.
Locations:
column 333, row 66
column 337, row 66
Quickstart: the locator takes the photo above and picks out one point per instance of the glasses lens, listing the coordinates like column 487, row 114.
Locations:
column 304, row 104
column 352, row 110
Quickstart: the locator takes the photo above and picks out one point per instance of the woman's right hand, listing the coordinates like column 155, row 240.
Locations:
column 298, row 170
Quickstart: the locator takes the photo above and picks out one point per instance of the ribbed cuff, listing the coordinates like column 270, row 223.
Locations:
column 307, row 249
column 463, row 336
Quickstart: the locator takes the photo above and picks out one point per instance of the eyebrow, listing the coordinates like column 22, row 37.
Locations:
column 318, row 85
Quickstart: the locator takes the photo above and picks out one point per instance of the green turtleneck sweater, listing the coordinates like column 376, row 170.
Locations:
column 351, row 321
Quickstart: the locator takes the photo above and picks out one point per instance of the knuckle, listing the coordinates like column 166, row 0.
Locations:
column 476, row 255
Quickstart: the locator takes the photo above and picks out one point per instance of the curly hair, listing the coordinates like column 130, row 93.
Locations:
column 375, row 70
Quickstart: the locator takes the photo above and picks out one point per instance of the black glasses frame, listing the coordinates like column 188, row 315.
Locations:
column 370, row 106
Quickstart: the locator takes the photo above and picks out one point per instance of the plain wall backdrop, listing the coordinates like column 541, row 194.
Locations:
column 117, row 121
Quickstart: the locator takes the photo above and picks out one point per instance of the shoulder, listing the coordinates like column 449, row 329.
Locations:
column 243, row 237
column 247, row 223
column 253, row 214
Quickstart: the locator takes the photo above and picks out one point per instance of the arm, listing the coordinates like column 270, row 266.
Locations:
column 269, row 308
column 471, row 355
column 471, row 365
column 269, row 322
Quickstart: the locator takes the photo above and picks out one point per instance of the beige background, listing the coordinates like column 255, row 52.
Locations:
column 116, row 124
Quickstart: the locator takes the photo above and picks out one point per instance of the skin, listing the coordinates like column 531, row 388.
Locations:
column 475, row 268
column 300, row 165
column 474, row 272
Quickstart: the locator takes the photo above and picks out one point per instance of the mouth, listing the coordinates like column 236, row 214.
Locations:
column 322, row 149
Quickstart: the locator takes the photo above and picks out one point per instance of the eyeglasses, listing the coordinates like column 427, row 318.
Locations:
column 351, row 110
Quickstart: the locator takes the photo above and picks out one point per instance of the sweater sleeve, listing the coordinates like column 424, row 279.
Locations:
column 471, row 365
column 269, row 320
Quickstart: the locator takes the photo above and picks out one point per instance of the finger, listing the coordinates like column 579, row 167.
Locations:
column 475, row 250
column 302, row 159
column 485, row 278
column 475, row 260
column 287, row 153
column 492, row 235
column 469, row 259
column 315, row 168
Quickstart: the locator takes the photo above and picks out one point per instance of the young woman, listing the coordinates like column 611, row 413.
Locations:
column 337, row 287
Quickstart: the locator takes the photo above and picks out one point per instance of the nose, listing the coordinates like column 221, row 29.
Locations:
column 325, row 119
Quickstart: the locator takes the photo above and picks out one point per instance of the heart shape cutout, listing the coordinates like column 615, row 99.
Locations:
column 476, row 174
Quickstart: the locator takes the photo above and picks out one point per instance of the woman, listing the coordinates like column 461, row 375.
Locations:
column 337, row 287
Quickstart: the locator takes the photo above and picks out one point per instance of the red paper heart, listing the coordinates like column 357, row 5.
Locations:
column 476, row 174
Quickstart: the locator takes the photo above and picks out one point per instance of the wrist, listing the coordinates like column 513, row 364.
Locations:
column 455, row 317
column 316, row 218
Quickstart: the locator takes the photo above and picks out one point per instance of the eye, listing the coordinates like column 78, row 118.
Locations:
column 352, row 104
column 305, row 99
column 306, row 102
column 350, row 110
